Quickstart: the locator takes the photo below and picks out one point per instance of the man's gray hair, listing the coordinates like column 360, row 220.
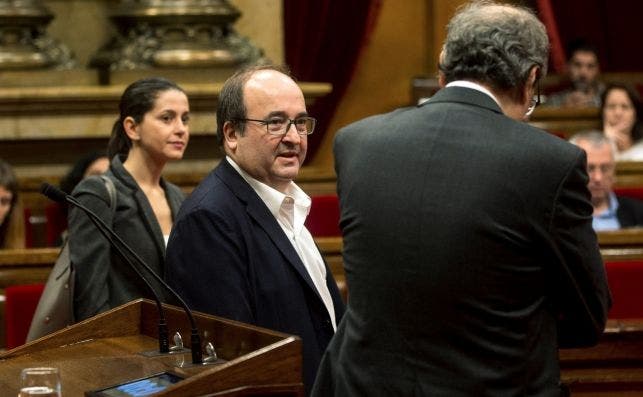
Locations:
column 595, row 138
column 494, row 44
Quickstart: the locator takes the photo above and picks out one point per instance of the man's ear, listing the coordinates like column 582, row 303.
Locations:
column 442, row 80
column 529, row 89
column 230, row 135
column 130, row 127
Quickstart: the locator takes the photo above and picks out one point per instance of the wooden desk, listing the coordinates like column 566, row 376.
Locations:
column 621, row 245
column 565, row 122
column 28, row 266
column 612, row 368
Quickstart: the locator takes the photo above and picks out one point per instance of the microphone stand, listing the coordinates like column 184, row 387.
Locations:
column 195, row 339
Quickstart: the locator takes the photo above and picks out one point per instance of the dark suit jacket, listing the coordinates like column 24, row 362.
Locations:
column 103, row 279
column 228, row 256
column 629, row 212
column 469, row 254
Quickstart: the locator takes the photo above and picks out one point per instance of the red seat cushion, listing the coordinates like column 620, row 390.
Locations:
column 323, row 219
column 20, row 304
column 626, row 283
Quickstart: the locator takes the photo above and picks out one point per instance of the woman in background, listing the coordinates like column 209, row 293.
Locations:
column 12, row 226
column 152, row 129
column 93, row 163
column 620, row 116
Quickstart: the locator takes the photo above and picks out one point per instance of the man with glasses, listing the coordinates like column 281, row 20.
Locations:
column 610, row 211
column 239, row 248
column 468, row 244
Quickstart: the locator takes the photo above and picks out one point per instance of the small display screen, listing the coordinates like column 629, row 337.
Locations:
column 139, row 387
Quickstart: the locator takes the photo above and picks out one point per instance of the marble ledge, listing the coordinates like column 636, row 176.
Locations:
column 72, row 99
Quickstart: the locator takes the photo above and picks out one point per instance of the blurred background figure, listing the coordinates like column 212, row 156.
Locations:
column 12, row 226
column 621, row 120
column 611, row 212
column 93, row 163
column 584, row 87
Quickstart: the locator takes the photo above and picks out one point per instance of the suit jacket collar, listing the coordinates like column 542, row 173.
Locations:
column 146, row 211
column 262, row 215
column 464, row 95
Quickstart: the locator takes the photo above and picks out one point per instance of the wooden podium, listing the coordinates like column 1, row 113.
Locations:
column 110, row 348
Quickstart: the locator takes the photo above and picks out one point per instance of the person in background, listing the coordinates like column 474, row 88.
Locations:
column 583, row 71
column 611, row 212
column 239, row 248
column 93, row 163
column 468, row 246
column 152, row 130
column 12, row 225
column 621, row 120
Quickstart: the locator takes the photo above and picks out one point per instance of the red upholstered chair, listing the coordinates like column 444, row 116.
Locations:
column 56, row 223
column 19, row 306
column 626, row 283
column 323, row 219
column 632, row 192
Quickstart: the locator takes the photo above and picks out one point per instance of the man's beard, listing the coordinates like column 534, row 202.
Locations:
column 584, row 85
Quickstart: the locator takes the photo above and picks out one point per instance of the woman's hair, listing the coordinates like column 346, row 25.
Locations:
column 12, row 230
column 77, row 172
column 633, row 95
column 137, row 99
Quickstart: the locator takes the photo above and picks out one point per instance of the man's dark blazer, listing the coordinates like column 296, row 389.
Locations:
column 228, row 256
column 629, row 212
column 469, row 254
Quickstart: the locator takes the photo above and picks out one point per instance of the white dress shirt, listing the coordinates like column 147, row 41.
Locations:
column 291, row 210
column 474, row 86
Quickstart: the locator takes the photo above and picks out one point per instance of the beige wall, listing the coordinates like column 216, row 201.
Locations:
column 405, row 43
column 397, row 51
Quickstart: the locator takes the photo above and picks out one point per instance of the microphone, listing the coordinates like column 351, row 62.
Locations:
column 164, row 341
column 58, row 195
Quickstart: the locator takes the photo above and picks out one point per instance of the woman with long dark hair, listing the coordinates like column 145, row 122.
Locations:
column 152, row 129
column 621, row 119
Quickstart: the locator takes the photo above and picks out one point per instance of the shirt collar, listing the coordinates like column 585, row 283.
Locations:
column 474, row 86
column 274, row 198
column 611, row 209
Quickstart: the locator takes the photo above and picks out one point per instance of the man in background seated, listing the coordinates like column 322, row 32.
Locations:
column 583, row 71
column 610, row 211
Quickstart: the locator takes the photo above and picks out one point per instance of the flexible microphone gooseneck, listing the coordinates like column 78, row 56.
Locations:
column 58, row 195
column 164, row 340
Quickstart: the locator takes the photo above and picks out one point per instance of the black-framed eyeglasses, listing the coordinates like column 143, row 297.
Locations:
column 281, row 125
column 535, row 101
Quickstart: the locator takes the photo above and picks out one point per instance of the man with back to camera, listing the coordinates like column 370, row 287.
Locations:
column 611, row 212
column 468, row 245
column 239, row 248
column 583, row 71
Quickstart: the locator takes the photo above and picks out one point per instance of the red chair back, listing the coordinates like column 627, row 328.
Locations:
column 19, row 307
column 56, row 223
column 632, row 192
column 626, row 283
column 323, row 219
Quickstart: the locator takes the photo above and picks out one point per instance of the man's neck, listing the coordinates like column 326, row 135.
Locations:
column 601, row 205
